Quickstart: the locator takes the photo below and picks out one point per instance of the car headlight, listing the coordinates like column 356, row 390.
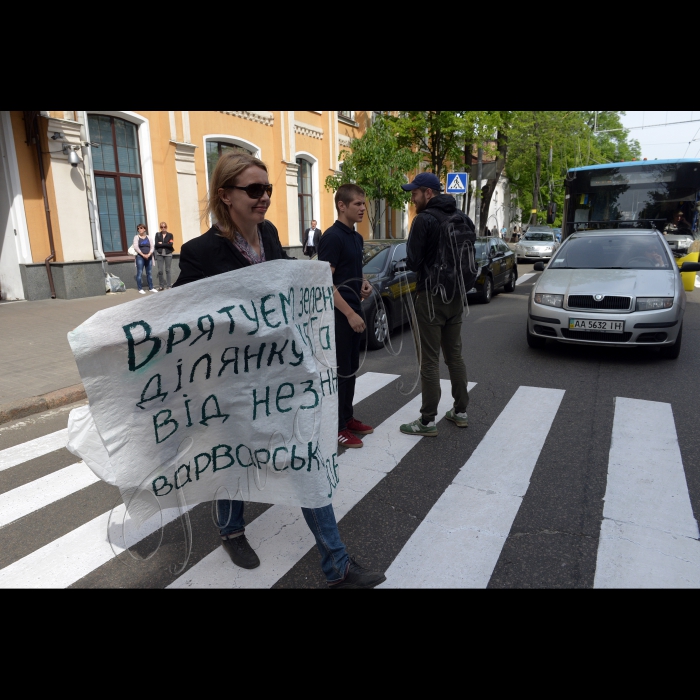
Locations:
column 550, row 299
column 546, row 248
column 651, row 303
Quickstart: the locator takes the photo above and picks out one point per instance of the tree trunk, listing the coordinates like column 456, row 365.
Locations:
column 538, row 171
column 468, row 157
column 536, row 189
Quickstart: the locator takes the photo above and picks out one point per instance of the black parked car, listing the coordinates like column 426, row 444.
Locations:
column 497, row 268
column 384, row 267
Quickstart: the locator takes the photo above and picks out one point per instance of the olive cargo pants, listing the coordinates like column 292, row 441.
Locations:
column 443, row 331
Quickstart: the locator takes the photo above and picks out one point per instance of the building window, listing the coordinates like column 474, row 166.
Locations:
column 118, row 181
column 347, row 115
column 305, row 196
column 216, row 148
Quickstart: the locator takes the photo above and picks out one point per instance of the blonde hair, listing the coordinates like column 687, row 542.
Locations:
column 229, row 166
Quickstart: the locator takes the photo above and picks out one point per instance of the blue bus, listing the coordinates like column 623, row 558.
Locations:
column 660, row 194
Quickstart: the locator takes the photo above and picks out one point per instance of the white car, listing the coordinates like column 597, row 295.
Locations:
column 616, row 287
column 538, row 243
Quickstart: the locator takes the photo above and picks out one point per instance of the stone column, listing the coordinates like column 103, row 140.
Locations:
column 187, row 190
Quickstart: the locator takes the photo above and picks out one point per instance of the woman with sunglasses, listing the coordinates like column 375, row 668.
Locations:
column 239, row 197
column 143, row 247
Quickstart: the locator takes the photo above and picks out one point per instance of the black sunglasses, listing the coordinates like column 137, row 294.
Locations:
column 254, row 191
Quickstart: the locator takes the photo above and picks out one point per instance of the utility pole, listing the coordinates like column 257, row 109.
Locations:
column 477, row 190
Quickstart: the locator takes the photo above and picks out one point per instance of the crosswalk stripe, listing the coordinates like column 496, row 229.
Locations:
column 524, row 278
column 280, row 535
column 649, row 536
column 369, row 382
column 44, row 491
column 458, row 543
column 79, row 552
column 12, row 456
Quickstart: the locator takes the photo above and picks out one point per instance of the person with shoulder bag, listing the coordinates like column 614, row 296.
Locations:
column 239, row 198
column 143, row 246
column 164, row 256
column 440, row 250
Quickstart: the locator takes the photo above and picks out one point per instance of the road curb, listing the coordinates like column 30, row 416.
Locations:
column 36, row 404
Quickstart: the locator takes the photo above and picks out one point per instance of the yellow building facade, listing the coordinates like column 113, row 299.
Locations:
column 75, row 184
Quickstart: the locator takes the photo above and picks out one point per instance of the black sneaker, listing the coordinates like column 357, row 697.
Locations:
column 241, row 553
column 357, row 577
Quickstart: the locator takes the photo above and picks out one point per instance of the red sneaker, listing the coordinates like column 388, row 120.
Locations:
column 347, row 439
column 359, row 428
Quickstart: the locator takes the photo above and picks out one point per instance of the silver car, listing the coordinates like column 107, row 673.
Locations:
column 617, row 287
column 538, row 243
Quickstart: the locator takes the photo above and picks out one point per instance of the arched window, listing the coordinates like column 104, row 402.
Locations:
column 305, row 196
column 216, row 148
column 118, row 180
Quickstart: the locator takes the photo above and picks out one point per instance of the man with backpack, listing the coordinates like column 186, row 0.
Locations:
column 440, row 251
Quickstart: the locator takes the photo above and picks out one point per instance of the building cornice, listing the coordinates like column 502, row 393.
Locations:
column 315, row 132
column 344, row 140
column 266, row 118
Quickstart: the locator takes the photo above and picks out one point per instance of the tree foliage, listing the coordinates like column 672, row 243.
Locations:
column 379, row 164
column 566, row 140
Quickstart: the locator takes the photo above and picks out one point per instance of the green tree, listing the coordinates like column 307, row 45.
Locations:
column 379, row 164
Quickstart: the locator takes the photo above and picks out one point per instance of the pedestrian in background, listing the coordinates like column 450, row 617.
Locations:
column 239, row 197
column 144, row 247
column 341, row 246
column 164, row 256
column 441, row 325
column 312, row 236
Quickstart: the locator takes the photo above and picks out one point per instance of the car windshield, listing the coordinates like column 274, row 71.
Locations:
column 374, row 258
column 625, row 252
column 538, row 236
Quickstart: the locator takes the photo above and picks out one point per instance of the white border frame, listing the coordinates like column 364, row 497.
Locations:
column 19, row 218
column 315, row 191
column 147, row 174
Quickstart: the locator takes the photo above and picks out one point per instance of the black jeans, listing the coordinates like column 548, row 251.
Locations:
column 347, row 354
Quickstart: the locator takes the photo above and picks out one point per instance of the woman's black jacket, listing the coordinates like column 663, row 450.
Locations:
column 211, row 254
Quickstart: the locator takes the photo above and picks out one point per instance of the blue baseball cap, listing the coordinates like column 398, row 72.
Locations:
column 423, row 180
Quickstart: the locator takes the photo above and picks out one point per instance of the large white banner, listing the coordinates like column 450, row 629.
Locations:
column 223, row 388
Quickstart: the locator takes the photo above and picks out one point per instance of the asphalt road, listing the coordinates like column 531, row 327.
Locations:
column 553, row 538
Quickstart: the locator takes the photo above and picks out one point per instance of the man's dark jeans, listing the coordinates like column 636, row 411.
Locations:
column 321, row 521
column 347, row 353
column 442, row 331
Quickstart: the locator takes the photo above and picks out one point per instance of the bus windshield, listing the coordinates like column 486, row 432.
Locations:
column 663, row 196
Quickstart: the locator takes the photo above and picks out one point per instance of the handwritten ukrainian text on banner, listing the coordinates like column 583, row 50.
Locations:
column 223, row 388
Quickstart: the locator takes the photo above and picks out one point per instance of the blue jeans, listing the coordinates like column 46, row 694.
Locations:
column 140, row 264
column 321, row 521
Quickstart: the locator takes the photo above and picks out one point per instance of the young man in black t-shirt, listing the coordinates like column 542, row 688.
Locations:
column 341, row 246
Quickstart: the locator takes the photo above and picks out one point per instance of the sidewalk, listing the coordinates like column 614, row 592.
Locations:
column 35, row 357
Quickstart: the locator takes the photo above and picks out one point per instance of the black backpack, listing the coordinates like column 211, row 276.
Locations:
column 454, row 271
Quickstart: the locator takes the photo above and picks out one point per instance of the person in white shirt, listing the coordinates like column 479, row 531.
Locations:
column 312, row 236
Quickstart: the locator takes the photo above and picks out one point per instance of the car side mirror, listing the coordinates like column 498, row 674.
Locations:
column 539, row 267
column 400, row 266
column 690, row 267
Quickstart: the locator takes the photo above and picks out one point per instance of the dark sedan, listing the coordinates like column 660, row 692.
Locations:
column 497, row 268
column 384, row 267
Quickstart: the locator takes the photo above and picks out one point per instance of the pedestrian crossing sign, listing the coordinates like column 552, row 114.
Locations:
column 457, row 183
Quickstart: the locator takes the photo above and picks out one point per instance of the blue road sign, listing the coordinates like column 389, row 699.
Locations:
column 457, row 183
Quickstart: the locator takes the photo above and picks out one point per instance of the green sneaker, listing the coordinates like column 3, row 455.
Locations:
column 417, row 428
column 459, row 419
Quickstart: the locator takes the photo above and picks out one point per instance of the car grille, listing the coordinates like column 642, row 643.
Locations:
column 596, row 335
column 586, row 301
